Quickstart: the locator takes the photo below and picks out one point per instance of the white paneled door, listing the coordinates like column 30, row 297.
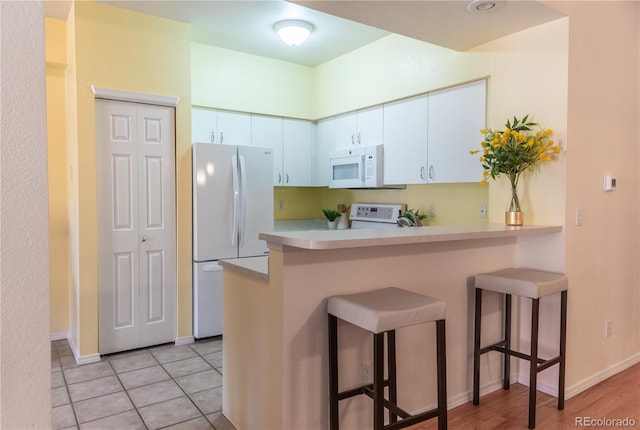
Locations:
column 136, row 225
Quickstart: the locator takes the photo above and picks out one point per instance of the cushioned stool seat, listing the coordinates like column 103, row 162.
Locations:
column 382, row 312
column 533, row 284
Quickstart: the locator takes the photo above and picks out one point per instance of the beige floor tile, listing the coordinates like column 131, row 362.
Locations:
column 94, row 388
column 207, row 347
column 146, row 376
column 133, row 362
column 200, row 381
column 87, row 372
column 220, row 422
column 195, row 424
column 186, row 367
column 155, row 393
column 168, row 413
column 208, row 401
column 129, row 420
column 59, row 396
column 101, row 407
column 56, row 379
column 62, row 416
column 166, row 354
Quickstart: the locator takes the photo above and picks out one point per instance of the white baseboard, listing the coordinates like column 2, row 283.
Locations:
column 601, row 376
column 184, row 340
column 59, row 336
column 82, row 359
column 585, row 383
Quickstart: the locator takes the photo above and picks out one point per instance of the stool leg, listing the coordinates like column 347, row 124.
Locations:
column 441, row 352
column 378, row 381
column 391, row 370
column 533, row 364
column 333, row 372
column 506, row 372
column 476, row 347
column 563, row 347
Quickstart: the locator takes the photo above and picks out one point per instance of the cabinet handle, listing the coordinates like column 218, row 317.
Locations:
column 286, row 178
column 430, row 172
column 279, row 178
column 358, row 138
column 213, row 137
column 143, row 239
column 221, row 137
column 422, row 172
column 353, row 139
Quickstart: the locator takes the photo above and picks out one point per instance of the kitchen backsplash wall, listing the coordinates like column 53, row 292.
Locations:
column 454, row 203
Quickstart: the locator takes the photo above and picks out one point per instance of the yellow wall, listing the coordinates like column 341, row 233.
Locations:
column 127, row 51
column 233, row 80
column 56, row 53
column 455, row 203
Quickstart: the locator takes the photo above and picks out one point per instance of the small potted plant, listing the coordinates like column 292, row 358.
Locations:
column 411, row 218
column 332, row 216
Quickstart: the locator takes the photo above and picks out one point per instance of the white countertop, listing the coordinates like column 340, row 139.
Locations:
column 356, row 238
column 257, row 267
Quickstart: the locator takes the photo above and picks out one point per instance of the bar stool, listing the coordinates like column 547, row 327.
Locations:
column 533, row 284
column 382, row 312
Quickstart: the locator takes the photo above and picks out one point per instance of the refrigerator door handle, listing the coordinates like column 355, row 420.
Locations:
column 243, row 201
column 236, row 199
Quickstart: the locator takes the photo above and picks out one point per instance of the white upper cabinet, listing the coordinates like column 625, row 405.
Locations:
column 323, row 146
column 405, row 141
column 266, row 132
column 297, row 140
column 455, row 118
column 363, row 127
column 220, row 126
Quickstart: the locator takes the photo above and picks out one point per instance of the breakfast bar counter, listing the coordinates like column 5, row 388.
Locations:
column 275, row 327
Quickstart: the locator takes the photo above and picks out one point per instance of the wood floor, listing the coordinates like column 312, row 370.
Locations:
column 615, row 398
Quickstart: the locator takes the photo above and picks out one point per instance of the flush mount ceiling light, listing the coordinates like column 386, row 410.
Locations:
column 484, row 6
column 293, row 31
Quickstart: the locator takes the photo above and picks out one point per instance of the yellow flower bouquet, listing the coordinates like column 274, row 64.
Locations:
column 513, row 151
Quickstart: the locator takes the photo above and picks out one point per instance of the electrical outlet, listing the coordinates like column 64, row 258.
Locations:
column 432, row 210
column 483, row 211
column 607, row 328
column 366, row 373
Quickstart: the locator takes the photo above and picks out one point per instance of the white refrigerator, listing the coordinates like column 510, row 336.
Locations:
column 232, row 204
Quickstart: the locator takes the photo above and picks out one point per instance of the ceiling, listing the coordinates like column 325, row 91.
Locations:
column 340, row 26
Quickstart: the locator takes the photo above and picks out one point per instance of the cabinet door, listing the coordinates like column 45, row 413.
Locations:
column 345, row 131
column 322, row 147
column 405, row 141
column 297, row 139
column 456, row 116
column 203, row 125
column 370, row 126
column 266, row 131
column 234, row 128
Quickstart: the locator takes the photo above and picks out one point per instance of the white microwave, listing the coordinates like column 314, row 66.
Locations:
column 356, row 168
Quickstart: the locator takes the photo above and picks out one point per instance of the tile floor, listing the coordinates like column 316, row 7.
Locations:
column 163, row 387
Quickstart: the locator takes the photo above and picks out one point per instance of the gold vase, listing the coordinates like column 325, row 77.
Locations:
column 513, row 214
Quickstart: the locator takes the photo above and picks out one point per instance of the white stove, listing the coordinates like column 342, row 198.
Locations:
column 375, row 215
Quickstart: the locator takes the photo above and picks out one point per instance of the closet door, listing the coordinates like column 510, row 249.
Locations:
column 136, row 225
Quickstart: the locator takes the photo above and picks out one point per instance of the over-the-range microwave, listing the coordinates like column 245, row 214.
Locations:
column 356, row 168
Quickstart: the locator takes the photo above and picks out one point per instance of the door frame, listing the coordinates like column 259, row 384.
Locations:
column 158, row 100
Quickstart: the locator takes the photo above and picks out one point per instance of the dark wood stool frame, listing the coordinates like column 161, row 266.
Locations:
column 376, row 389
column 536, row 364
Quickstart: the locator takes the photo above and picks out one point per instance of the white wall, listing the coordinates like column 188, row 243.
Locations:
column 25, row 354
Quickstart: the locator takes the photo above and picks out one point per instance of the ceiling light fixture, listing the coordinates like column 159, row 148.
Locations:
column 484, row 6
column 293, row 32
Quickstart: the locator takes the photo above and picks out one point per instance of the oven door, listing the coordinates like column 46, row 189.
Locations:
column 347, row 171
